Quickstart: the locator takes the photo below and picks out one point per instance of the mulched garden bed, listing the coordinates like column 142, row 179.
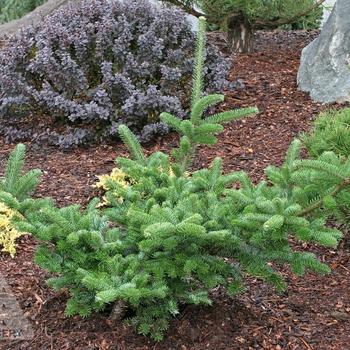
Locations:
column 313, row 314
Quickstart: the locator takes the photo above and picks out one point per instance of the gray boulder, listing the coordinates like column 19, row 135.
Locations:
column 325, row 63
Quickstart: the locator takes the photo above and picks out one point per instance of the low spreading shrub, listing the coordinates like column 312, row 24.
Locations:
column 13, row 9
column 164, row 236
column 331, row 132
column 96, row 64
column 15, row 191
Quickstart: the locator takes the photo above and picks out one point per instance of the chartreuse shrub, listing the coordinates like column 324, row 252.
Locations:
column 95, row 64
column 15, row 191
column 8, row 233
column 166, row 236
column 13, row 9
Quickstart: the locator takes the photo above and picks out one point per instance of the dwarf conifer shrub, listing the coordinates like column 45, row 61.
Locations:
column 15, row 191
column 96, row 64
column 164, row 235
column 241, row 18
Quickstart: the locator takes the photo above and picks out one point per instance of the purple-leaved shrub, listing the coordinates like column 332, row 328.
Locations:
column 96, row 64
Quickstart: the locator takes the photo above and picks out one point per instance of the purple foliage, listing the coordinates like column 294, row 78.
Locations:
column 94, row 65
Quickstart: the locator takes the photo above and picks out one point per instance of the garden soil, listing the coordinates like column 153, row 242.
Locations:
column 314, row 312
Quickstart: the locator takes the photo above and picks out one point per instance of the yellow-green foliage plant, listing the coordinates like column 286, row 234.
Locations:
column 8, row 233
column 105, row 183
column 15, row 191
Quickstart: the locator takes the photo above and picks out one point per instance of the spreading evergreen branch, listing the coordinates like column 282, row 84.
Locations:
column 228, row 116
column 343, row 185
column 14, row 168
column 15, row 190
column 330, row 169
column 132, row 143
column 171, row 121
column 202, row 104
column 20, row 186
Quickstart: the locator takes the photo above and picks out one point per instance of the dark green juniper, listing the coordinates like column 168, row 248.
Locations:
column 241, row 18
column 168, row 237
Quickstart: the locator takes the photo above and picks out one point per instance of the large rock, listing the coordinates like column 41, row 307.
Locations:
column 325, row 63
column 328, row 6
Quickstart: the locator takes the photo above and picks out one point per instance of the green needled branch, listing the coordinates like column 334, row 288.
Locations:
column 345, row 183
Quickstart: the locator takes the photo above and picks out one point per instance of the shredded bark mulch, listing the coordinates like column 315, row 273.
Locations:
column 313, row 314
